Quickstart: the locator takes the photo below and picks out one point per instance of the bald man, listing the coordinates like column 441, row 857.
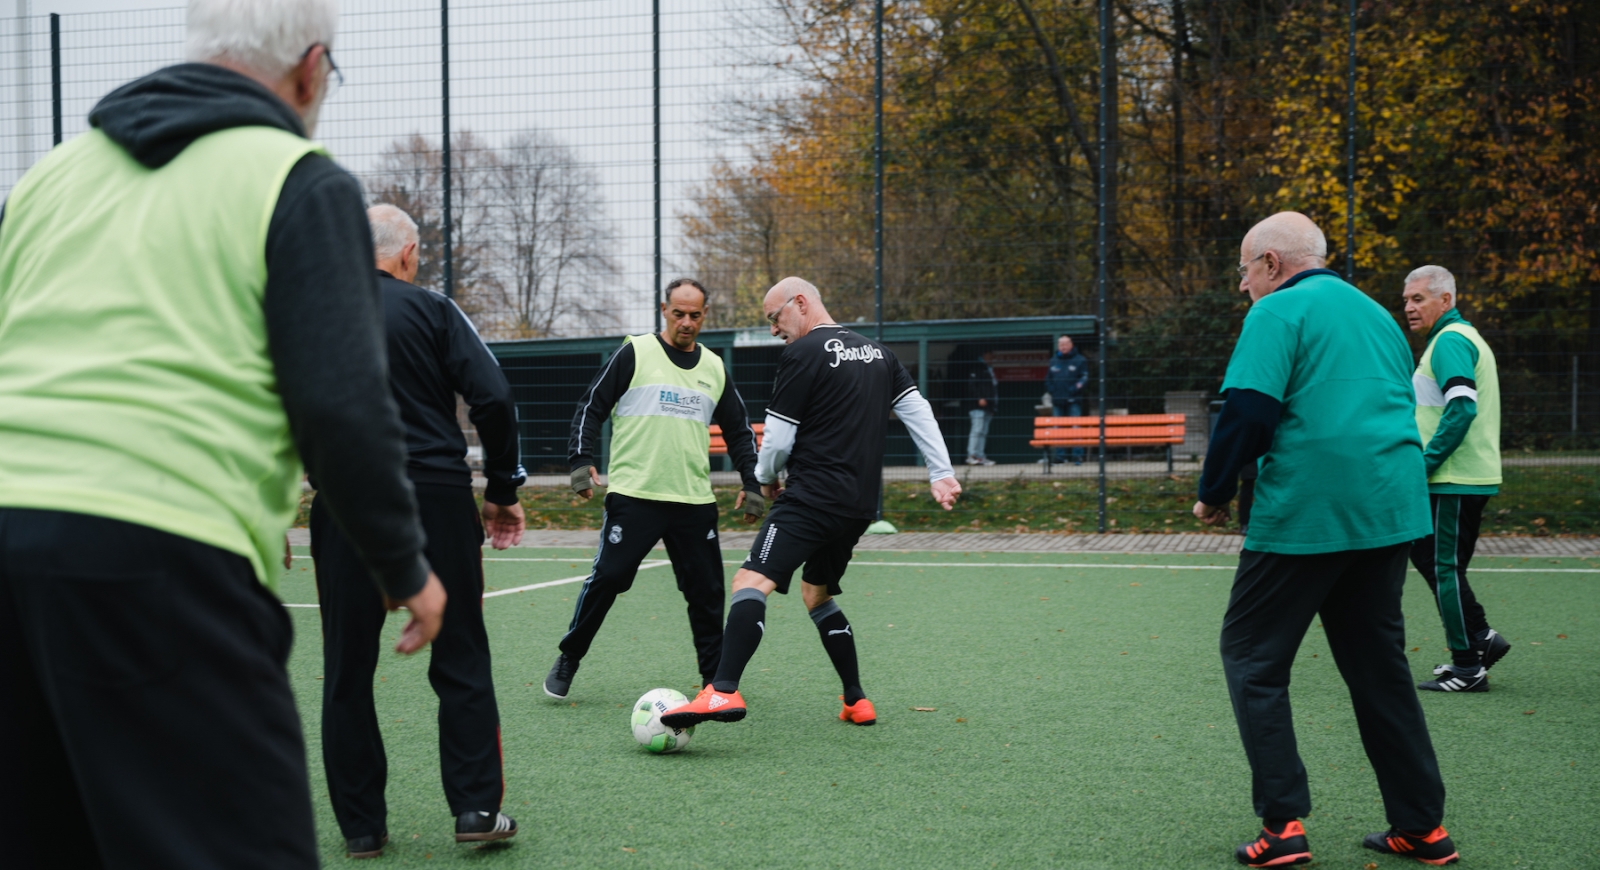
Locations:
column 1319, row 396
column 434, row 354
column 826, row 424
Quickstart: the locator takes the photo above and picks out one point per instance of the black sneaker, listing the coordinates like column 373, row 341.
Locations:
column 1282, row 849
column 558, row 682
column 1492, row 648
column 1433, row 848
column 1452, row 679
column 479, row 827
column 370, row 846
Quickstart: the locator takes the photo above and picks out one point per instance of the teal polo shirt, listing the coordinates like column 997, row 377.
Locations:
column 1345, row 470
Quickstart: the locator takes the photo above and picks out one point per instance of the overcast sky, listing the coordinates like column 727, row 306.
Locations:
column 578, row 68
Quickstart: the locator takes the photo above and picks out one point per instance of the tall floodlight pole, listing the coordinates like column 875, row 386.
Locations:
column 1102, row 271
column 55, row 79
column 444, row 112
column 877, row 183
column 655, row 145
column 1350, row 159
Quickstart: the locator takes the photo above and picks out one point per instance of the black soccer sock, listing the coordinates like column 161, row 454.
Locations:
column 1466, row 660
column 841, row 646
column 746, row 625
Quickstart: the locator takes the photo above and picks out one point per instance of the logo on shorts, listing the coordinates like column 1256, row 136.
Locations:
column 616, row 535
column 711, row 535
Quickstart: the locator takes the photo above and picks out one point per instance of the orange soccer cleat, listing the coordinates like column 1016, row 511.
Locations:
column 708, row 706
column 1285, row 848
column 1434, row 847
column 860, row 712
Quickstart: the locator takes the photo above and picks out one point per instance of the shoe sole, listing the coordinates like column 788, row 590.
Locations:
column 486, row 837
column 688, row 720
column 1452, row 858
column 553, row 694
column 1285, row 861
column 375, row 853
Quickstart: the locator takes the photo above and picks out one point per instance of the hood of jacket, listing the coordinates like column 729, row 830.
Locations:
column 154, row 118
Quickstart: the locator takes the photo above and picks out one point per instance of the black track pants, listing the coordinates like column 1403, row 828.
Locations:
column 1357, row 594
column 146, row 719
column 1442, row 558
column 630, row 528
column 458, row 667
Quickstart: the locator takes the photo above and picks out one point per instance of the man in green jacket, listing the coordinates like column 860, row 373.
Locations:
column 188, row 311
column 1458, row 416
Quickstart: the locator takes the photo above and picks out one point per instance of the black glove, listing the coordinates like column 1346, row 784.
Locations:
column 755, row 504
column 581, row 479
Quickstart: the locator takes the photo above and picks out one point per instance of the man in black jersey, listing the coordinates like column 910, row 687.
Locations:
column 661, row 392
column 434, row 353
column 827, row 422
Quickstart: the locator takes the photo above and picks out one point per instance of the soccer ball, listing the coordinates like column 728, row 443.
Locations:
column 647, row 727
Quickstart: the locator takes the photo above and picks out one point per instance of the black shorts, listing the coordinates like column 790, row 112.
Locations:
column 796, row 534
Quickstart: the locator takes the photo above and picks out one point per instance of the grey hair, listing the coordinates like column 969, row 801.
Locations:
column 267, row 37
column 1439, row 279
column 392, row 230
column 1292, row 240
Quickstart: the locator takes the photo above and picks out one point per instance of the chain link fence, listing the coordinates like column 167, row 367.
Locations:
column 968, row 160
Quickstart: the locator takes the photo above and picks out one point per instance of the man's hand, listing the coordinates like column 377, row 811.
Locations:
column 504, row 523
column 770, row 491
column 427, row 613
column 584, row 480
column 754, row 504
column 288, row 555
column 945, row 490
column 1209, row 514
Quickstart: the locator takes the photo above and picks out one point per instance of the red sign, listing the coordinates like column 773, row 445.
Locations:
column 1021, row 365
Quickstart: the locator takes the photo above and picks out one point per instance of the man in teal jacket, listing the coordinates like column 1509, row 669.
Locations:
column 1458, row 417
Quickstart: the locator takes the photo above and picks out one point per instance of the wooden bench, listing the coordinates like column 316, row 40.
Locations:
column 719, row 446
column 1130, row 430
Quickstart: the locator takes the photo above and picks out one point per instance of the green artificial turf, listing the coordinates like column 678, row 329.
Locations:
column 1078, row 719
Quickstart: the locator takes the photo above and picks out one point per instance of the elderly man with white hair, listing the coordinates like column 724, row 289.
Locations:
column 188, row 312
column 1458, row 415
column 1319, row 396
column 435, row 355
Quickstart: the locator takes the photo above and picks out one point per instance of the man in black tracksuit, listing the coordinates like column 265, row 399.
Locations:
column 434, row 353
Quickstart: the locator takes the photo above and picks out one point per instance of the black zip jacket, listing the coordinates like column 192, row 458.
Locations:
column 435, row 353
column 323, row 316
column 608, row 386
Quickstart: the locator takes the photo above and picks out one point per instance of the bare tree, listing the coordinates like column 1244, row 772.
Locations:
column 552, row 238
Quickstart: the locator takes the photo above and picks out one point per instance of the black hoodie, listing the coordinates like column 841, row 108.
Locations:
column 324, row 316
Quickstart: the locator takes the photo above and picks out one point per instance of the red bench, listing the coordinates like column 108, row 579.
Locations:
column 719, row 446
column 1128, row 430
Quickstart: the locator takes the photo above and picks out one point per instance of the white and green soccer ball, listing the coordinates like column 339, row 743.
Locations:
column 647, row 727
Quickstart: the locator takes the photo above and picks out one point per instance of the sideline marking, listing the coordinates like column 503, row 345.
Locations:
column 579, row 579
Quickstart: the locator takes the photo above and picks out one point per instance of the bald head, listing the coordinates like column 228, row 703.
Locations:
column 793, row 306
column 1277, row 249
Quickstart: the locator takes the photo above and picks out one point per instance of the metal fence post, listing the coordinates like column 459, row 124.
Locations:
column 877, row 183
column 1350, row 159
column 1102, row 275
column 55, row 79
column 655, row 145
column 444, row 111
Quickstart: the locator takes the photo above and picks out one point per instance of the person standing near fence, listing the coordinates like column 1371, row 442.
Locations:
column 186, row 303
column 1065, row 381
column 1318, row 390
column 434, row 354
column 1458, row 415
column 661, row 393
column 983, row 391
column 826, row 424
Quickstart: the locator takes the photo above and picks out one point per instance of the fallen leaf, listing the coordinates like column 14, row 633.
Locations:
column 926, row 709
column 961, row 720
column 782, row 772
column 1123, row 653
column 1369, row 866
column 1415, row 648
column 1561, row 637
column 1046, row 599
column 1527, row 712
column 628, row 850
column 1133, row 584
column 1536, row 642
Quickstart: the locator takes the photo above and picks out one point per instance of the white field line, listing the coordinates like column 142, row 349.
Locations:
column 565, row 580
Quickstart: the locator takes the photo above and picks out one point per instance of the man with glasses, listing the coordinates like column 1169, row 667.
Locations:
column 1319, row 394
column 187, row 312
column 661, row 393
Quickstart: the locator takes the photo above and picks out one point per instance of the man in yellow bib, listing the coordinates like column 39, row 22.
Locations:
column 661, row 393
column 1458, row 416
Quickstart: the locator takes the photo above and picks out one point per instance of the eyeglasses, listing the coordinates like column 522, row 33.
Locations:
column 773, row 317
column 1245, row 266
column 335, row 77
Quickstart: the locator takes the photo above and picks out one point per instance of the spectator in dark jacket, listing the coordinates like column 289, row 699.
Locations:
column 1065, row 382
column 983, row 392
column 434, row 354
